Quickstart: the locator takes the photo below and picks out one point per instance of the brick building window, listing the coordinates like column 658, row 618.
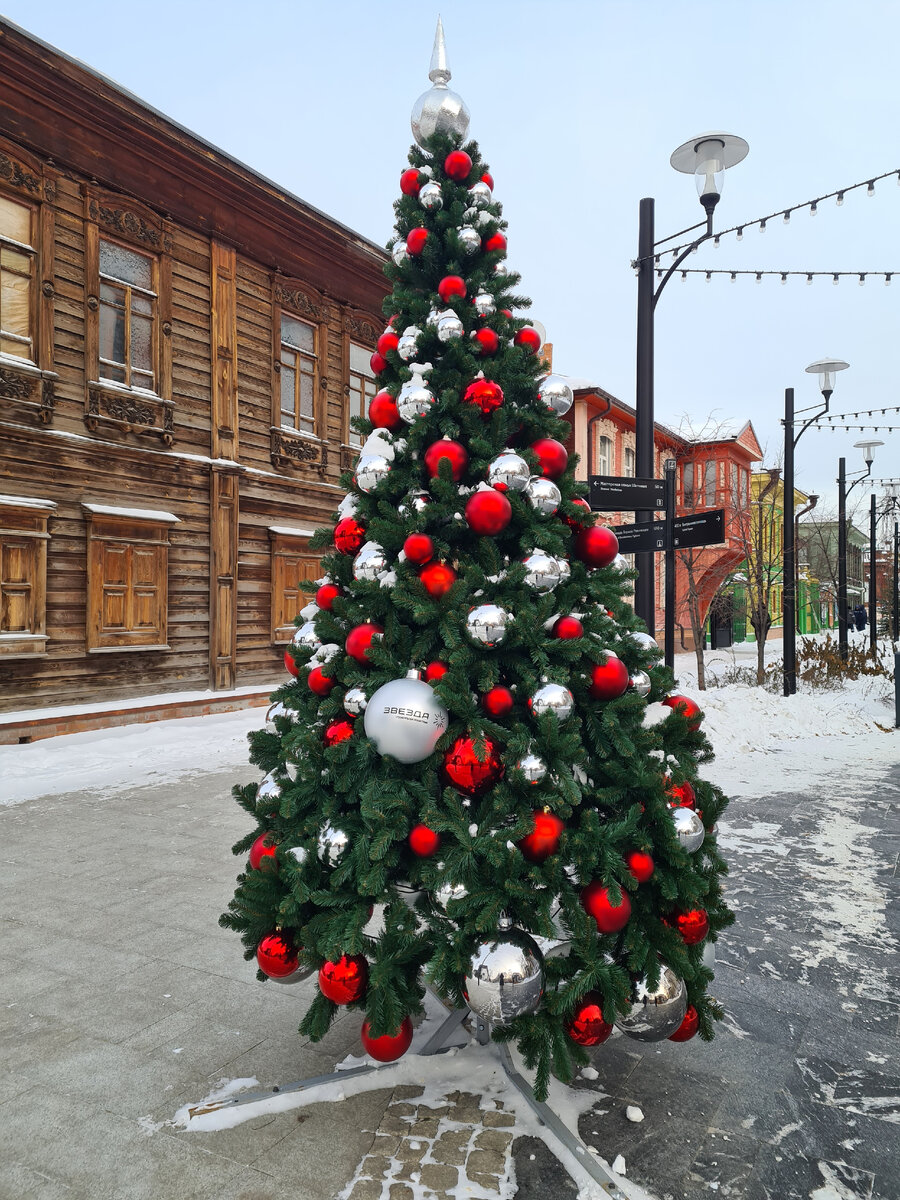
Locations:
column 127, row 570
column 292, row 561
column 23, row 575
column 604, row 456
column 629, row 462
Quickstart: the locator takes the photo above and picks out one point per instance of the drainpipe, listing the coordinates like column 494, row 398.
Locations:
column 813, row 501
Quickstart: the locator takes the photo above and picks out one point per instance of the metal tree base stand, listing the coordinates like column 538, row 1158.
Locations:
column 438, row 1043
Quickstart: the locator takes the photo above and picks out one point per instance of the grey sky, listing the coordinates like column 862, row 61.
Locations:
column 577, row 107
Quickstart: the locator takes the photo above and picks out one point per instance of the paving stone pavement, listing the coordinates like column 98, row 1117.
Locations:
column 121, row 1000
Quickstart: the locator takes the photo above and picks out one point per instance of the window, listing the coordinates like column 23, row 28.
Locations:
column 733, row 483
column 23, row 575
column 292, row 561
column 17, row 273
column 604, row 456
column 128, row 299
column 709, row 483
column 298, row 375
column 127, row 568
column 629, row 462
column 361, row 388
column 687, row 484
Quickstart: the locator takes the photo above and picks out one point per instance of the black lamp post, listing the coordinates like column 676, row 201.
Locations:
column 706, row 157
column 826, row 369
column 844, row 491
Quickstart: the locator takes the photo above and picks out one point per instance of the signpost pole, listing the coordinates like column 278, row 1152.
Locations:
column 670, row 564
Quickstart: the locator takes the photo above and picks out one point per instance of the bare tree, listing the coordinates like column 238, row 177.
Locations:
column 757, row 530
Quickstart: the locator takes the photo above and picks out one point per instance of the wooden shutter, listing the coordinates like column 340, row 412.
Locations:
column 292, row 561
column 128, row 559
column 23, row 577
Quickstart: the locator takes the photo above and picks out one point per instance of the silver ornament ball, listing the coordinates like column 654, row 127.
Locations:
column 433, row 317
column 274, row 710
column 552, row 698
column 487, row 624
column 447, row 892
column 484, row 301
column 688, row 828
column 371, row 470
column 298, row 854
column 331, row 846
column 555, row 392
column 430, row 196
column 469, row 241
column 655, row 1013
column 417, row 501
column 620, row 563
column 369, row 563
column 505, row 978
column 355, row 701
column 269, row 788
column 533, row 768
column 510, row 472
column 544, row 495
column 414, row 400
column 404, row 718
column 542, row 571
column 406, row 347
column 306, row 637
column 564, row 569
column 480, row 195
column 399, row 252
column 449, row 327
column 640, row 682
column 439, row 110
column 644, row 640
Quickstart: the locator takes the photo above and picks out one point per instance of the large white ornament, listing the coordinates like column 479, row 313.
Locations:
column 404, row 718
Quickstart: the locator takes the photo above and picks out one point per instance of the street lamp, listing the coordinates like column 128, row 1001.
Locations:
column 826, row 369
column 706, row 157
column 868, row 450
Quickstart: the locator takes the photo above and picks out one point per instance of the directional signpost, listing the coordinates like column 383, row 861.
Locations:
column 610, row 493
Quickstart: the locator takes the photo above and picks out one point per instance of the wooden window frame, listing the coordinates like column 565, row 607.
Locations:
column 287, row 543
column 301, row 355
column 153, row 295
column 30, row 383
column 362, row 330
column 625, row 453
column 601, row 438
column 23, row 519
column 129, row 528
column 111, row 406
column 290, row 447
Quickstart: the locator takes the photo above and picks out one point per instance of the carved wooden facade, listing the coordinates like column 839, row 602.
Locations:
column 179, row 354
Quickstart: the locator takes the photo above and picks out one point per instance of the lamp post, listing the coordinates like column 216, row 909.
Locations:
column 844, row 491
column 706, row 157
column 826, row 369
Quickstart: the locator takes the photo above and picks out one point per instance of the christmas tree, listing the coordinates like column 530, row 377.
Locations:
column 464, row 743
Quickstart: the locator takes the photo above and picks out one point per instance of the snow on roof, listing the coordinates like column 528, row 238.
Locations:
column 27, row 502
column 137, row 514
column 291, row 530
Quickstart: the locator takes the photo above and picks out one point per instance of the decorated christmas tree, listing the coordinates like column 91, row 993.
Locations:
column 471, row 782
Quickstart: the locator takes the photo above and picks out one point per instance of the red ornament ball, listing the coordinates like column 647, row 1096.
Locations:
column 410, row 182
column 640, row 864
column 485, row 393
column 451, row 287
column 488, row 512
column 276, row 957
column 416, row 239
column 496, row 241
column 378, row 363
column 326, row 596
column 498, row 702
column 469, row 773
column 435, row 671
column 349, row 535
column 418, row 548
column 383, row 411
column 438, row 579
column 488, row 178
column 458, row 165
column 609, row 679
column 528, row 339
column 359, row 639
column 567, row 628
column 387, row 342
column 390, row 1046
column 586, row 1025
column 687, row 708
column 683, row 794
column 338, row 731
column 289, row 663
column 455, row 454
column 610, row 918
column 423, row 841
column 263, row 851
column 486, row 340
column 692, row 925
column 344, row 981
column 318, row 683
column 552, row 456
column 596, row 545
column 543, row 839
column 688, row 1026
column 577, row 522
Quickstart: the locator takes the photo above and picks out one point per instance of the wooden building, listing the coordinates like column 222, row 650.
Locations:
column 182, row 344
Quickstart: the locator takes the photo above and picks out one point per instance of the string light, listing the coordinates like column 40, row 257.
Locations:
column 840, row 199
column 813, row 209
column 787, row 216
column 808, row 276
column 870, row 189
